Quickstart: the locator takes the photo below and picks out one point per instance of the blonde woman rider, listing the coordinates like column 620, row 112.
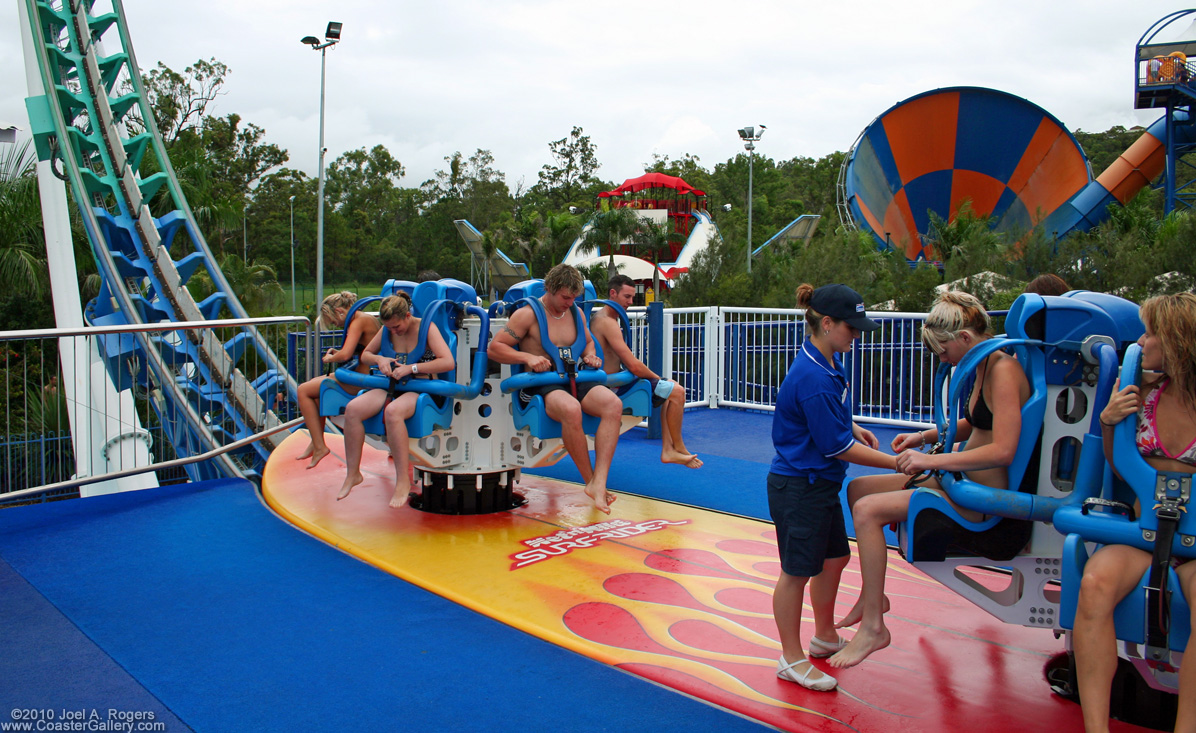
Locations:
column 991, row 426
column 333, row 311
column 398, row 336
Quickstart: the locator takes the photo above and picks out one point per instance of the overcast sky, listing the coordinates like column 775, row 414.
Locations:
column 425, row 79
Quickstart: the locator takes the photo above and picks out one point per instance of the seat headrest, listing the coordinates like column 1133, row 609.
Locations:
column 448, row 289
column 524, row 289
column 1124, row 313
column 393, row 287
column 1055, row 319
column 535, row 288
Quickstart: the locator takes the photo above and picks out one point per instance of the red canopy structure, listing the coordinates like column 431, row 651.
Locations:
column 653, row 180
column 661, row 192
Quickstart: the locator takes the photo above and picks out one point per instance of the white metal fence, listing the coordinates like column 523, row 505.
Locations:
column 737, row 358
column 724, row 357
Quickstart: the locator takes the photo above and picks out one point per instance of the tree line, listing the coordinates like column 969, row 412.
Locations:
column 378, row 225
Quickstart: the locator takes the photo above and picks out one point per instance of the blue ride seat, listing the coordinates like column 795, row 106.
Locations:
column 434, row 302
column 1068, row 348
column 934, row 528
column 1150, row 488
column 638, row 398
column 532, row 415
column 1053, row 338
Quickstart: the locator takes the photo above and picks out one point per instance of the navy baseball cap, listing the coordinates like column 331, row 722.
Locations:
column 840, row 301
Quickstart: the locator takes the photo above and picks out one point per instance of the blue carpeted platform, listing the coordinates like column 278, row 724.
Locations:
column 196, row 603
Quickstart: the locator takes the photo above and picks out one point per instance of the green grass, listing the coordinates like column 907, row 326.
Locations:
column 305, row 294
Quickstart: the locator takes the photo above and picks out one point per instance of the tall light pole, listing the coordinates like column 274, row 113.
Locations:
column 332, row 36
column 293, row 308
column 750, row 137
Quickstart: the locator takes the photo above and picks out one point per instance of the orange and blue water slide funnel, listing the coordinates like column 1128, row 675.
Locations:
column 1002, row 155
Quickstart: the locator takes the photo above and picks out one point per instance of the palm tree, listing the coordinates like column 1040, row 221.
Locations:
column 656, row 239
column 612, row 228
column 558, row 232
column 255, row 284
column 22, row 253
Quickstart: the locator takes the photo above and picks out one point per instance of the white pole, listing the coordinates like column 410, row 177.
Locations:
column 320, row 204
column 750, row 148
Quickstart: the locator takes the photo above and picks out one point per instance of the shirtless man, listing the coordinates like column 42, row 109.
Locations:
column 615, row 353
column 520, row 342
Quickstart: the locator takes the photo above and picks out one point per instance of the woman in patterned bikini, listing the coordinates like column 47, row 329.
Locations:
column 1166, row 408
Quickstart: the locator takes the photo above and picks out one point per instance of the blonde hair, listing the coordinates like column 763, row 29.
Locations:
column 1172, row 318
column 564, row 277
column 396, row 306
column 954, row 312
column 342, row 300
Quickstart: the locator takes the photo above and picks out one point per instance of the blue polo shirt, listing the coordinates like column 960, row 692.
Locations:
column 812, row 422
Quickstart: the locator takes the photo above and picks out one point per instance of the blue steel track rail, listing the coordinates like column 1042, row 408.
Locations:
column 194, row 381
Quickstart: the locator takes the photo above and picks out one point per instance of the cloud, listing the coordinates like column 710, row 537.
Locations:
column 428, row 79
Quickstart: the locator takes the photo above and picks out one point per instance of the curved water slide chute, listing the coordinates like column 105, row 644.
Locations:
column 1136, row 168
column 93, row 96
column 1010, row 159
column 800, row 229
column 496, row 272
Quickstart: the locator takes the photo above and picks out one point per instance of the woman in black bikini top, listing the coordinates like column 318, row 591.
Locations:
column 955, row 324
column 982, row 418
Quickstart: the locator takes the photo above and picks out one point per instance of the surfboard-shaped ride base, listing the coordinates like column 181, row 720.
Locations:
column 681, row 596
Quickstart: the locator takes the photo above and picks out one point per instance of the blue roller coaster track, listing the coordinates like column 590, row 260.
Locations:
column 94, row 124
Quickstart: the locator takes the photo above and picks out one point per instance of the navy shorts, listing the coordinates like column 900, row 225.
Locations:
column 525, row 395
column 809, row 519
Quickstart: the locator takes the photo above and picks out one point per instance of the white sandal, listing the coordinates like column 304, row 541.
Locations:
column 820, row 649
column 823, row 683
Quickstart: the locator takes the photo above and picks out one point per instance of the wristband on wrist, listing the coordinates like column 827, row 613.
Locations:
column 415, row 368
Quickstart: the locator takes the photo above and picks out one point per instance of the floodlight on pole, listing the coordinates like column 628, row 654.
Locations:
column 332, row 36
column 293, row 308
column 750, row 136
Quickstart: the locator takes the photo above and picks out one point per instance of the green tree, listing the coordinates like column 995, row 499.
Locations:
column 181, row 101
column 611, row 228
column 566, row 179
column 558, row 234
column 254, row 284
column 1102, row 148
column 687, row 167
column 655, row 240
column 22, row 259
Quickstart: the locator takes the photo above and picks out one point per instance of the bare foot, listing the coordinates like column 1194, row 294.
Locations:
column 602, row 498
column 402, row 492
column 350, row 481
column 857, row 612
column 861, row 645
column 306, row 452
column 689, row 460
column 317, row 455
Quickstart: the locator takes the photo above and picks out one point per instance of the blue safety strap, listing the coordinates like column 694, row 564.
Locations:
column 554, row 352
